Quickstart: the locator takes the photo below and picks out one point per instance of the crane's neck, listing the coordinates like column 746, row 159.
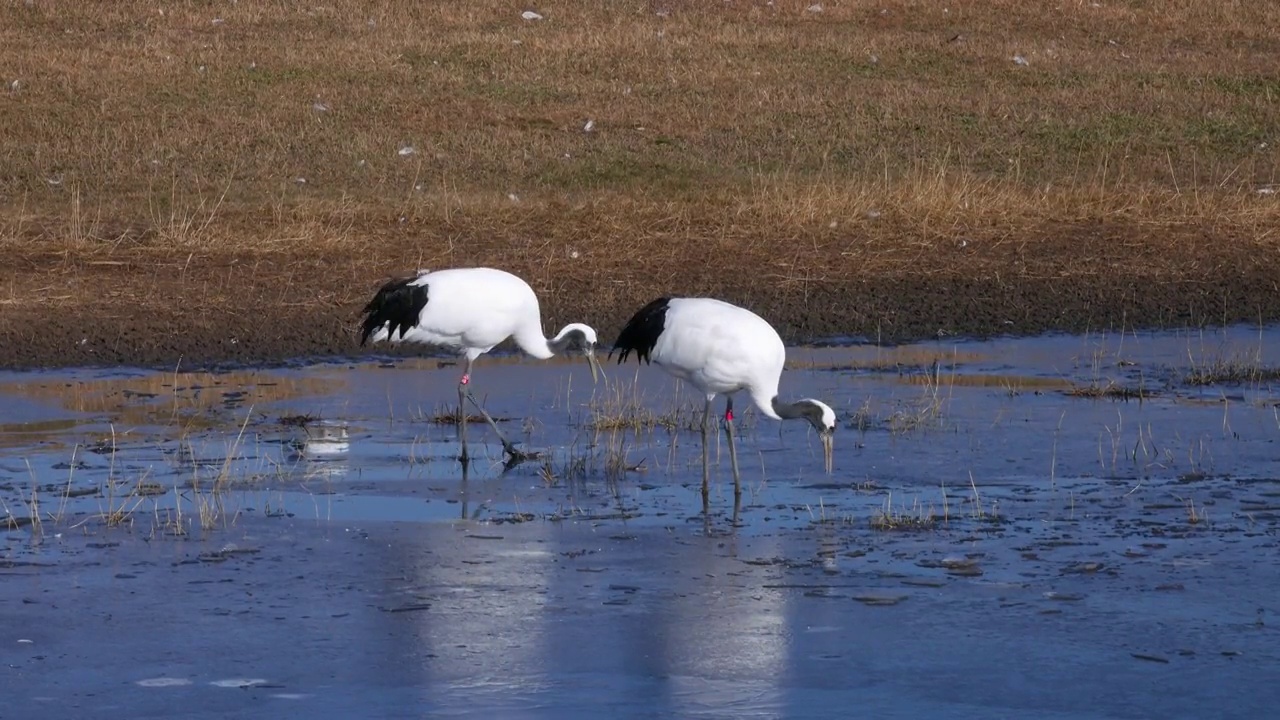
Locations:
column 772, row 407
column 572, row 335
column 766, row 400
column 788, row 411
column 818, row 414
column 561, row 342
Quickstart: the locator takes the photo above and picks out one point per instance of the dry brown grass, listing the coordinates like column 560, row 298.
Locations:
column 867, row 139
column 192, row 123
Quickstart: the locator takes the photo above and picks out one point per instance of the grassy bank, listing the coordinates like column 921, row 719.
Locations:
column 267, row 125
column 209, row 152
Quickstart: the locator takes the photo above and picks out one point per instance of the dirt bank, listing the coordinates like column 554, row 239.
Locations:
column 158, row 307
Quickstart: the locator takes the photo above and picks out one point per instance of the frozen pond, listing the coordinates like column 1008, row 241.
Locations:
column 1066, row 526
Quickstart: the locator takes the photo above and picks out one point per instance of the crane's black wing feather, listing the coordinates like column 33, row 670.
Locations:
column 642, row 331
column 398, row 305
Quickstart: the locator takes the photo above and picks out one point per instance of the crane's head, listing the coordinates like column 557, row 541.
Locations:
column 823, row 419
column 582, row 338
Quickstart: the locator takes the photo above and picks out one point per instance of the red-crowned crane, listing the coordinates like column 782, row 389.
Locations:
column 470, row 310
column 721, row 348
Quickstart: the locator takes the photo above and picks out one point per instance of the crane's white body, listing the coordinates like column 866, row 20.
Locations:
column 721, row 348
column 472, row 310
column 469, row 310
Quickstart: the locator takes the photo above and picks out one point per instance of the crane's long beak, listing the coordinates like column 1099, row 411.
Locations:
column 596, row 371
column 828, row 442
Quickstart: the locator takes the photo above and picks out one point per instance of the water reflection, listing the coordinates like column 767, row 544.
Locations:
column 515, row 615
column 322, row 447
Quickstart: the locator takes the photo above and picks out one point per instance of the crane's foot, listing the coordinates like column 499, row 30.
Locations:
column 515, row 456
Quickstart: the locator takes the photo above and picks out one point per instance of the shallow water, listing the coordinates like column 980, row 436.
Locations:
column 994, row 541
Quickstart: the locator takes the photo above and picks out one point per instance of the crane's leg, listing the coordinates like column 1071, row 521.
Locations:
column 733, row 450
column 462, row 419
column 464, row 391
column 506, row 446
column 463, row 490
column 706, row 459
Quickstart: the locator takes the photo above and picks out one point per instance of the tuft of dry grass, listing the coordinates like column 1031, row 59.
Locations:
column 925, row 411
column 916, row 517
column 1231, row 370
column 445, row 414
column 1110, row 390
column 623, row 408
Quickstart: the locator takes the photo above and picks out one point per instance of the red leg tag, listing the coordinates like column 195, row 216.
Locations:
column 465, row 379
column 728, row 415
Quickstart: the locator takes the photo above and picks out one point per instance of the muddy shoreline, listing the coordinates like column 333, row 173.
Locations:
column 139, row 313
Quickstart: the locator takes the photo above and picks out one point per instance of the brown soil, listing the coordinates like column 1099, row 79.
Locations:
column 163, row 307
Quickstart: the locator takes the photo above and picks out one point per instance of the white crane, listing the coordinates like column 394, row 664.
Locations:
column 470, row 310
column 720, row 348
